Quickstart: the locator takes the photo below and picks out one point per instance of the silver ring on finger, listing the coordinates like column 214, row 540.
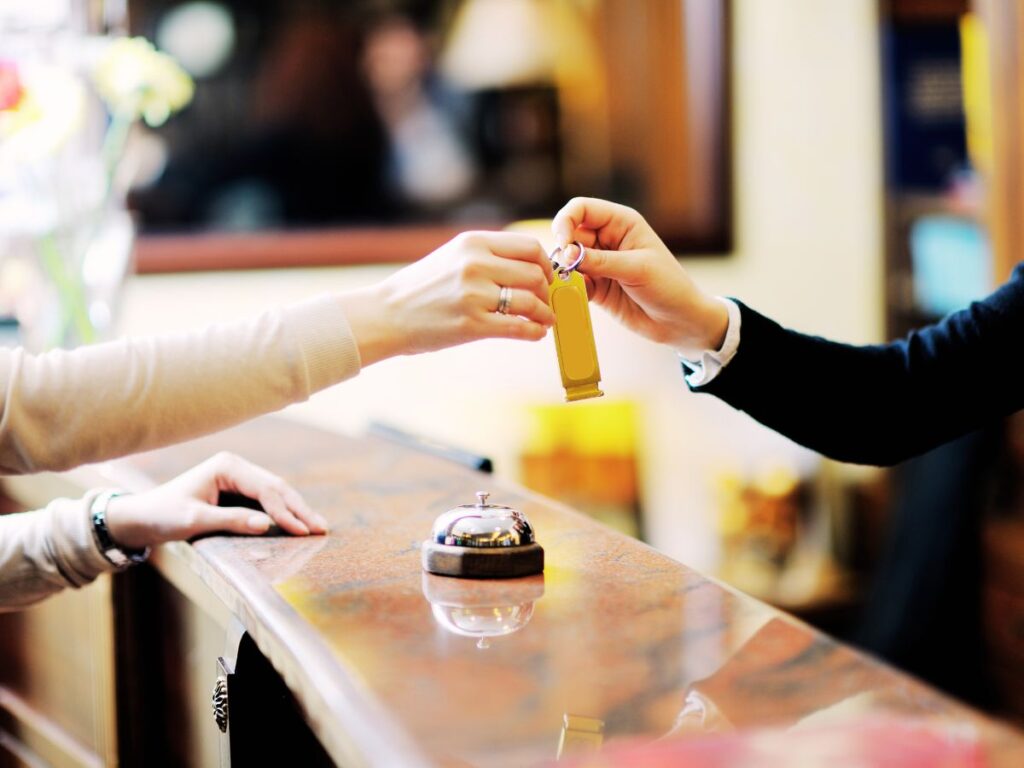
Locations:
column 504, row 300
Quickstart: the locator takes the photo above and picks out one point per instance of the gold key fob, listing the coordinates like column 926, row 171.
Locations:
column 574, row 335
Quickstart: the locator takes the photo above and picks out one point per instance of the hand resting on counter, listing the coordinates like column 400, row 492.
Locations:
column 186, row 506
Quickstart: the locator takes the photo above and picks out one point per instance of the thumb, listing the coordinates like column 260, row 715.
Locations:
column 563, row 228
column 623, row 266
column 210, row 518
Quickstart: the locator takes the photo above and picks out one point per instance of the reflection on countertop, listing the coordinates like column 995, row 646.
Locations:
column 482, row 609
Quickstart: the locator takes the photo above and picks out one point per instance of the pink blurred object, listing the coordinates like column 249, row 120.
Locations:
column 865, row 744
column 11, row 89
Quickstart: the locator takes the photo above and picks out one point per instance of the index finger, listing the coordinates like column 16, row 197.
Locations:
column 609, row 221
column 280, row 500
column 515, row 245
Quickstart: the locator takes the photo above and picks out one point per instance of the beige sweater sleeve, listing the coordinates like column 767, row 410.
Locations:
column 43, row 552
column 66, row 408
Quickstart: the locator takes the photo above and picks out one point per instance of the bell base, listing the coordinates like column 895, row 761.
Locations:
column 478, row 563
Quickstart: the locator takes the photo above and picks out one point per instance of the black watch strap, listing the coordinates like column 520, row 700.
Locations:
column 117, row 555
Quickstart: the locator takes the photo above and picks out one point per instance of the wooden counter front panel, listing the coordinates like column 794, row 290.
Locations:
column 57, row 680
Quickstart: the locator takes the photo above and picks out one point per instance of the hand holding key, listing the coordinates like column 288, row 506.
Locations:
column 478, row 285
column 638, row 280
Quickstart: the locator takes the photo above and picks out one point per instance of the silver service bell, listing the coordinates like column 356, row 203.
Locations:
column 483, row 541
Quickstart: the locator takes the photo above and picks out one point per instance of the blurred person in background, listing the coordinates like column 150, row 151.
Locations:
column 288, row 136
column 430, row 165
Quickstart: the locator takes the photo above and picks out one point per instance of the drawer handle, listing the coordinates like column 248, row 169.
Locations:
column 220, row 703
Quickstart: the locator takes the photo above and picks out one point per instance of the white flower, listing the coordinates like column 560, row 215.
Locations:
column 136, row 80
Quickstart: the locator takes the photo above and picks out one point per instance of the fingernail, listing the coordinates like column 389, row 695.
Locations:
column 321, row 521
column 258, row 523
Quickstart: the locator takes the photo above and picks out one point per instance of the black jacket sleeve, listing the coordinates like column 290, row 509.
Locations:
column 881, row 404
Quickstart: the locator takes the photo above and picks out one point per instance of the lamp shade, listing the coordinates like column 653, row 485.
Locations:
column 501, row 43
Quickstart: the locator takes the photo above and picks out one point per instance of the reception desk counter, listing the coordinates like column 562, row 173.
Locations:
column 615, row 647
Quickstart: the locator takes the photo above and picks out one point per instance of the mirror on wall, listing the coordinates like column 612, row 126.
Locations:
column 316, row 115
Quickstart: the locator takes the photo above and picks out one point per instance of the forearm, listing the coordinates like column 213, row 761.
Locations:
column 66, row 408
column 48, row 550
column 879, row 404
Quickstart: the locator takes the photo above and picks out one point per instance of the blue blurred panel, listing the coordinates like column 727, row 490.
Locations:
column 952, row 263
column 925, row 127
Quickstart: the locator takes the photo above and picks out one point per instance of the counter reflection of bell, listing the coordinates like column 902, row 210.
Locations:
column 483, row 541
column 482, row 610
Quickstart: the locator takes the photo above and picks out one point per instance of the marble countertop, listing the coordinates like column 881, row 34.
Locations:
column 627, row 646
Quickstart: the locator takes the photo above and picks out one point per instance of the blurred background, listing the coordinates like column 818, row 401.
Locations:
column 428, row 111
column 851, row 169
column 319, row 113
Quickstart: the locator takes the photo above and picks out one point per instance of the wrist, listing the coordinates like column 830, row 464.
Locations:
column 120, row 542
column 120, row 523
column 371, row 319
column 707, row 329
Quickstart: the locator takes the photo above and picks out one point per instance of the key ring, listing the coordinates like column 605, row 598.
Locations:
column 564, row 272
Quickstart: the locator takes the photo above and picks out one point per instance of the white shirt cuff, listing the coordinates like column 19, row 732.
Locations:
column 711, row 363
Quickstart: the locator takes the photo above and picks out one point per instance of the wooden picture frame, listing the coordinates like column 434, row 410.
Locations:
column 648, row 50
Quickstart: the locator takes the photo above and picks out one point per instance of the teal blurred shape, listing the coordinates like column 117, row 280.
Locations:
column 952, row 263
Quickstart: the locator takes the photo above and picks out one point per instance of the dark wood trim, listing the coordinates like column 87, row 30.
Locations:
column 210, row 251
column 918, row 11
column 275, row 249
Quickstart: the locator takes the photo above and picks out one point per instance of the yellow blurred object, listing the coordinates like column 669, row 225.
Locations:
column 977, row 90
column 759, row 523
column 586, row 457
column 593, row 429
column 732, row 511
column 776, row 481
column 580, row 735
column 538, row 228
